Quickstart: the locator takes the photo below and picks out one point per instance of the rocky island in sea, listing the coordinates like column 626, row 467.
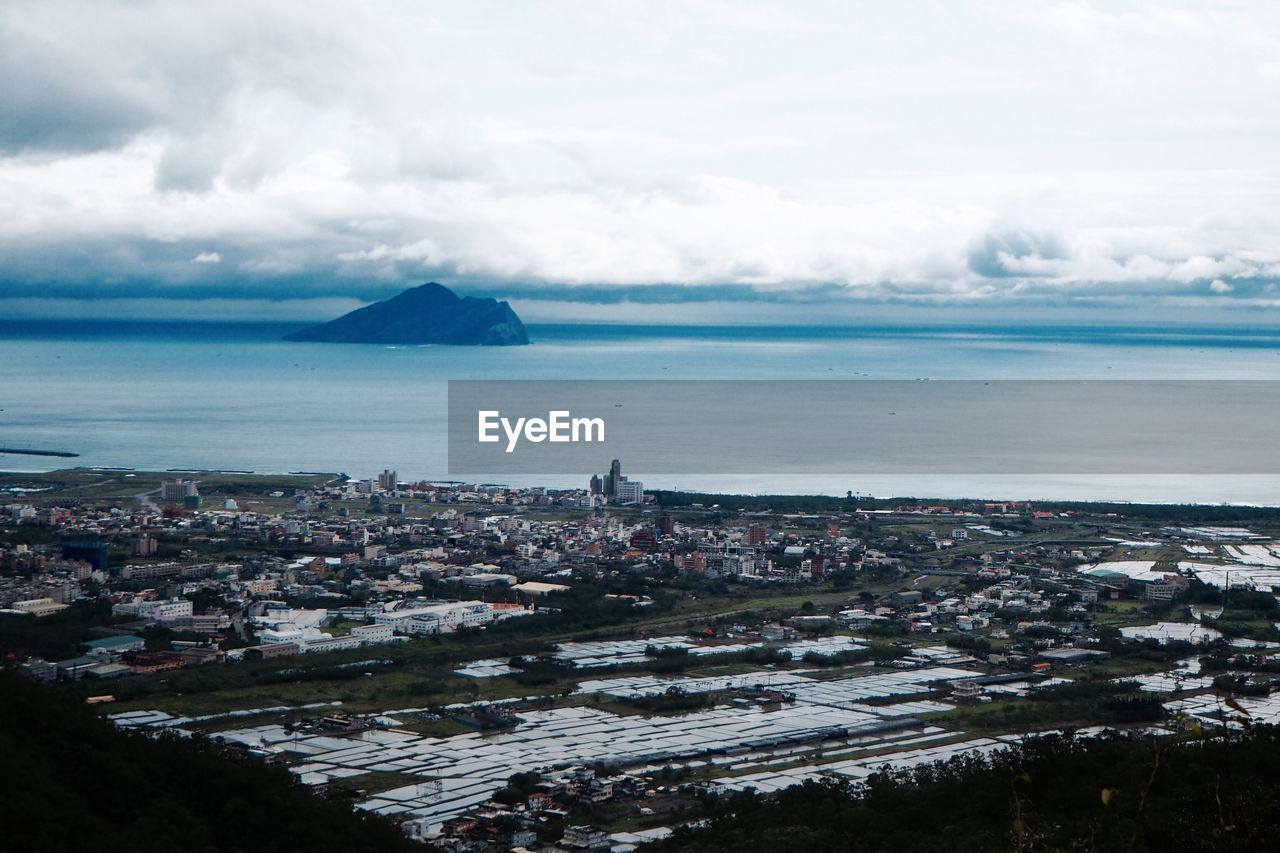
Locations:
column 429, row 314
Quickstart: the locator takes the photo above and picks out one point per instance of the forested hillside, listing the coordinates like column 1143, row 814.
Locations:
column 73, row 782
column 1057, row 793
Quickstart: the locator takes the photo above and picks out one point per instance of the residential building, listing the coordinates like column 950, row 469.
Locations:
column 39, row 607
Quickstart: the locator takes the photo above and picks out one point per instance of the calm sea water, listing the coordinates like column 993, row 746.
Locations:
column 234, row 397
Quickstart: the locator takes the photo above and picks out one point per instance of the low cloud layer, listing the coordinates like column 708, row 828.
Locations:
column 1056, row 156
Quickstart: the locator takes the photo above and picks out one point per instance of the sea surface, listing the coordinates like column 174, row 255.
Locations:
column 233, row 396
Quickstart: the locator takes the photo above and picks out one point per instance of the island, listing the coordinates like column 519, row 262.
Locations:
column 429, row 314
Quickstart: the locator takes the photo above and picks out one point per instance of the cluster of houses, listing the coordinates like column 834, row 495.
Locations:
column 546, row 811
column 475, row 554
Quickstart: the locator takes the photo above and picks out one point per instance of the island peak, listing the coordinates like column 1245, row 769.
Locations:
column 428, row 314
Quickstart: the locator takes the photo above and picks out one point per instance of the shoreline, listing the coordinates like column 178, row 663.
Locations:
column 860, row 499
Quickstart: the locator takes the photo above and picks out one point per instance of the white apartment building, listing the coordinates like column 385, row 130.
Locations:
column 330, row 644
column 176, row 608
column 630, row 492
column 373, row 633
column 39, row 606
column 437, row 618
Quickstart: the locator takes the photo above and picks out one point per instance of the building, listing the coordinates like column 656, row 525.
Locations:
column 150, row 662
column 612, row 479
column 89, row 549
column 776, row 633
column 108, row 670
column 75, row 669
column 373, row 633
column 419, row 829
column 39, row 607
column 40, row 669
column 437, row 618
column 629, row 492
column 756, row 536
column 695, row 563
column 330, row 644
column 643, row 540
column 163, row 611
column 286, row 632
column 206, row 624
column 817, row 566
column 586, row 838
column 539, row 588
column 117, row 645
column 272, row 650
column 155, row 571
column 1167, row 589
column 197, row 655
column 387, row 480
column 178, row 491
column 160, row 571
column 1071, row 655
column 967, row 692
column 77, row 569
column 615, row 487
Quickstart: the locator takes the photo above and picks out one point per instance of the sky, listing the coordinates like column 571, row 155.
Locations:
column 1035, row 160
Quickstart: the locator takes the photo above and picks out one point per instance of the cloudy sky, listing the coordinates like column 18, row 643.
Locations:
column 794, row 161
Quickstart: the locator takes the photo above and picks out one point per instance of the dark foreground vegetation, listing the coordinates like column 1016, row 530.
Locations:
column 74, row 782
column 1053, row 794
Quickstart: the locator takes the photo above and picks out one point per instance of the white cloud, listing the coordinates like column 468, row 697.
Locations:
column 1103, row 151
column 1220, row 286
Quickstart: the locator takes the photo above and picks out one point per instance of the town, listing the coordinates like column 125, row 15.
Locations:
column 492, row 667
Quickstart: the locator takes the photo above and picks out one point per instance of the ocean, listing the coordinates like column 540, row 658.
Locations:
column 233, row 396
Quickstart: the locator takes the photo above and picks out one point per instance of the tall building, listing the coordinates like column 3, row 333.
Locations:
column 818, row 567
column 643, row 539
column 756, row 535
column 387, row 480
column 613, row 478
column 178, row 490
column 629, row 492
column 88, row 548
column 616, row 488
